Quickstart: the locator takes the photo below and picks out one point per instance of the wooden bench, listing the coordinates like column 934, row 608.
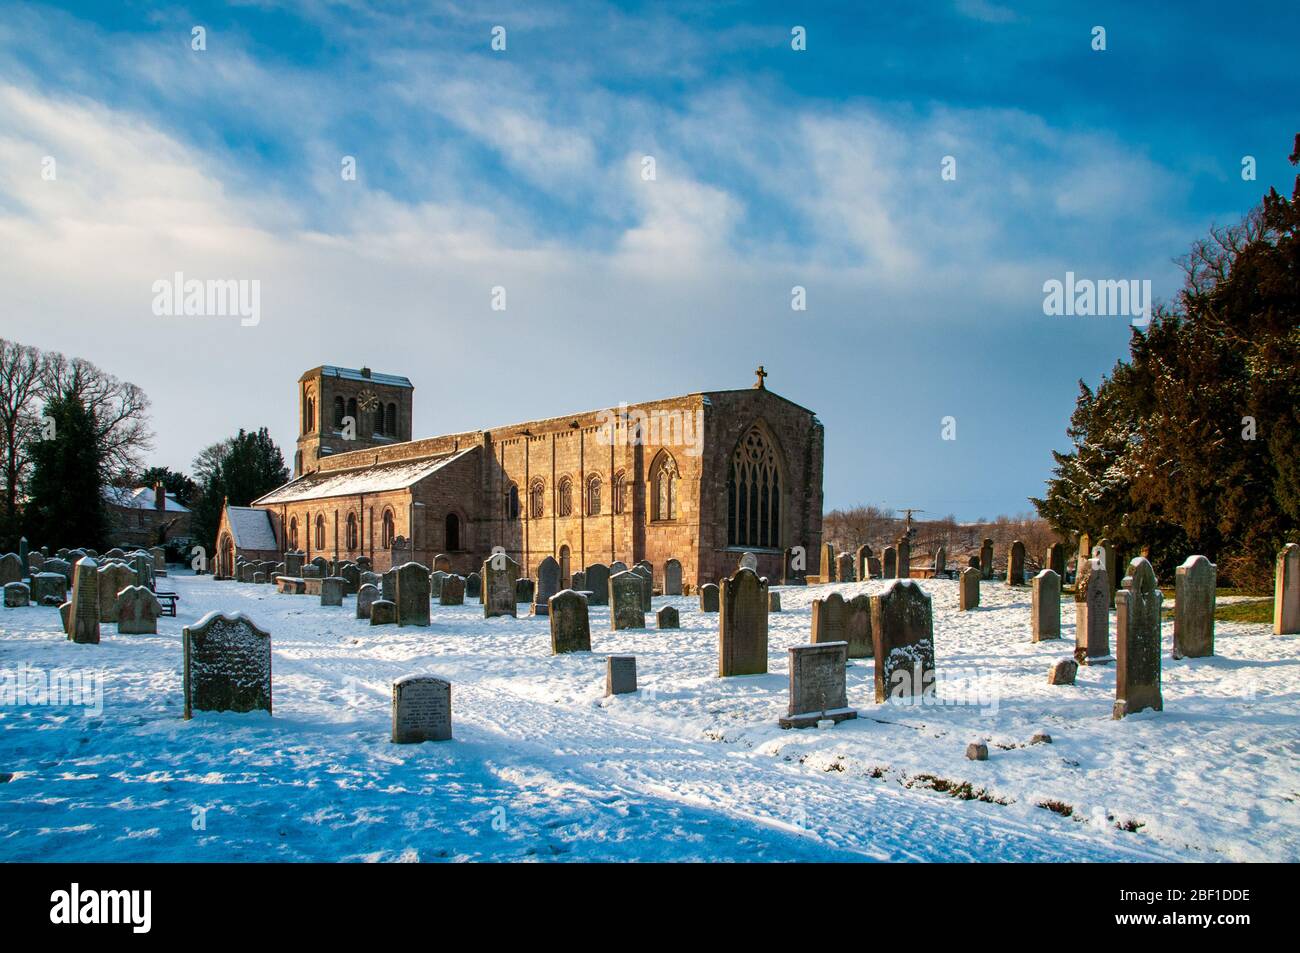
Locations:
column 167, row 601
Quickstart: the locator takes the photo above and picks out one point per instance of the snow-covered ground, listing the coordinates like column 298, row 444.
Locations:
column 693, row 767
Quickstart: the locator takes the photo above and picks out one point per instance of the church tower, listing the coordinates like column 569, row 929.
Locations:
column 342, row 409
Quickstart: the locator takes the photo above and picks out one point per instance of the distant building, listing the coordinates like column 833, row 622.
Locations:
column 145, row 516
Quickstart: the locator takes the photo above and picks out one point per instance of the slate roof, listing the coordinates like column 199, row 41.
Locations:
column 376, row 478
column 251, row 528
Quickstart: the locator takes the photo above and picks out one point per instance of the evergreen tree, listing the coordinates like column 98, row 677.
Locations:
column 65, row 505
column 237, row 470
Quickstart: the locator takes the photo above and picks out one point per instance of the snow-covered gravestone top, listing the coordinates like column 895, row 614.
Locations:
column 668, row 618
column 137, row 611
column 17, row 594
column 902, row 630
column 49, row 588
column 620, row 674
column 570, row 627
column 968, row 596
column 817, row 685
column 453, row 591
column 709, row 597
column 11, row 568
column 367, row 596
column 742, row 625
column 421, row 709
column 412, row 594
column 1092, row 613
column 1194, row 584
column 227, row 665
column 548, row 584
column 1137, row 638
column 749, row 561
column 1046, row 607
column 83, row 615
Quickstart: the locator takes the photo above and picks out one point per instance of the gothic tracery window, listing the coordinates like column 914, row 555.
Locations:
column 663, row 487
column 754, row 493
column 536, row 499
column 565, row 493
column 593, row 495
column 618, row 492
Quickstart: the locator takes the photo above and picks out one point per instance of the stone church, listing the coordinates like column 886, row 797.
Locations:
column 701, row 478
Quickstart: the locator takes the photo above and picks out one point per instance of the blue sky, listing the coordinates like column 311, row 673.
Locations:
column 521, row 169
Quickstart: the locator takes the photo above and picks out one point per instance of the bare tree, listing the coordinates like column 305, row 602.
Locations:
column 20, row 382
column 120, row 409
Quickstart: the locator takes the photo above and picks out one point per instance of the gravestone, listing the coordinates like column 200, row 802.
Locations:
column 331, row 590
column 49, row 588
column 351, row 576
column 142, row 563
column 817, row 685
column 668, row 618
column 383, row 612
column 24, row 552
column 1055, row 559
column 648, row 567
column 11, row 568
column 500, row 576
column 1063, row 672
column 442, row 563
column 748, row 561
column 828, row 563
column 412, row 594
column 598, row 584
column 862, row 562
column 986, row 558
column 113, row 578
column 1137, row 642
column 709, row 597
column 1286, row 591
column 1045, row 614
column 65, row 614
column 1104, row 550
column 968, row 595
column 309, row 571
column 474, row 586
column 889, row 563
column 83, row 615
column 579, row 580
column 365, row 565
column 773, row 601
column 60, row 566
column 246, row 572
column 259, row 578
column 435, row 583
column 620, row 675
column 940, row 562
column 227, row 665
column 1194, row 583
column 742, row 625
column 794, row 569
column 372, row 579
column 367, row 596
column 973, row 561
column 291, row 585
column 903, row 551
column 647, row 583
column 874, row 568
column 17, row 595
column 902, row 634
column 35, row 562
column 1092, row 613
column 625, row 609
column 617, row 566
column 453, row 591
column 421, row 709
column 159, row 558
column 293, row 563
column 322, row 566
column 548, row 584
column 388, row 585
column 570, row 625
column 137, row 611
column 673, row 577
column 844, row 568
column 1016, row 564
column 525, row 590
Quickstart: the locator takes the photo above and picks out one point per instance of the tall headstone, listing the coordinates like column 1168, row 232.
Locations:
column 548, row 584
column 227, row 665
column 827, row 567
column 794, row 567
column 968, row 596
column 889, row 564
column 617, row 566
column 940, row 561
column 1104, row 550
column 24, row 553
column 136, row 611
column 83, row 615
column 1016, row 564
column 844, row 570
column 625, row 607
column 570, row 625
column 862, row 562
column 293, row 562
column 350, row 573
column 388, row 586
column 986, row 558
column 579, row 580
column 903, row 550
column 647, row 583
column 474, row 587
column 742, row 625
column 1046, row 611
column 773, row 601
column 902, row 633
column 709, row 597
column 1137, row 641
column 836, row 619
column 1286, row 591
column 367, row 596
column 421, row 709
column 500, row 575
column 412, row 594
column 1092, row 613
column 673, row 577
column 1054, row 559
column 817, row 685
column 453, row 591
column 159, row 558
column 1194, row 584
column 598, row 584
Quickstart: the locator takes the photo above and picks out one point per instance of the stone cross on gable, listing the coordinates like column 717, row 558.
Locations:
column 759, row 384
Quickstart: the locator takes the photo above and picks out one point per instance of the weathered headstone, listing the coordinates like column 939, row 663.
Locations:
column 60, row 566
column 500, row 574
column 1194, row 584
column 817, row 685
column 1137, row 641
column 940, row 561
column 773, row 601
column 1286, row 591
column 748, row 561
column 668, row 618
column 388, row 585
column 474, row 586
column 291, row 585
column 620, row 674
column 598, row 584
column 889, row 564
column 525, row 591
column 17, row 595
column 453, row 591
column 625, row 608
column 35, row 562
column 113, row 578
column 1054, row 559
column 442, row 563
column 412, row 594
column 903, row 551
column 647, row 584
column 351, row 576
column 742, row 625
column 579, row 581
column 367, row 596
column 828, row 563
column 844, row 568
column 862, row 562
column 1063, row 672
column 902, row 634
column 1104, row 550
column 1045, row 617
column 227, row 665
column 1092, row 613
column 570, row 625
column 159, row 558
column 383, row 612
column 673, row 577
column 421, row 709
column 794, row 563
column 293, row 562
column 968, row 594
column 259, row 578
column 1016, row 564
column 709, row 597
column 49, row 588
column 986, row 558
column 137, row 611
column 83, row 616
column 11, row 568
column 331, row 590
column 548, row 584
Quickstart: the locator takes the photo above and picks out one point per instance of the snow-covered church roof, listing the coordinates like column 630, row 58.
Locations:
column 376, row 478
column 251, row 528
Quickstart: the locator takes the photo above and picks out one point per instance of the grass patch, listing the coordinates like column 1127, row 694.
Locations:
column 1057, row 807
column 962, row 790
column 1261, row 611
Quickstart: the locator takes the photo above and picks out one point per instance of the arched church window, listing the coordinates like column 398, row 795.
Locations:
column 452, row 541
column 536, row 499
column 339, row 412
column 353, row 536
column 593, row 495
column 389, row 532
column 754, row 493
column 293, row 533
column 320, row 533
column 663, row 487
column 309, row 413
column 565, row 493
column 512, row 502
column 619, row 492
